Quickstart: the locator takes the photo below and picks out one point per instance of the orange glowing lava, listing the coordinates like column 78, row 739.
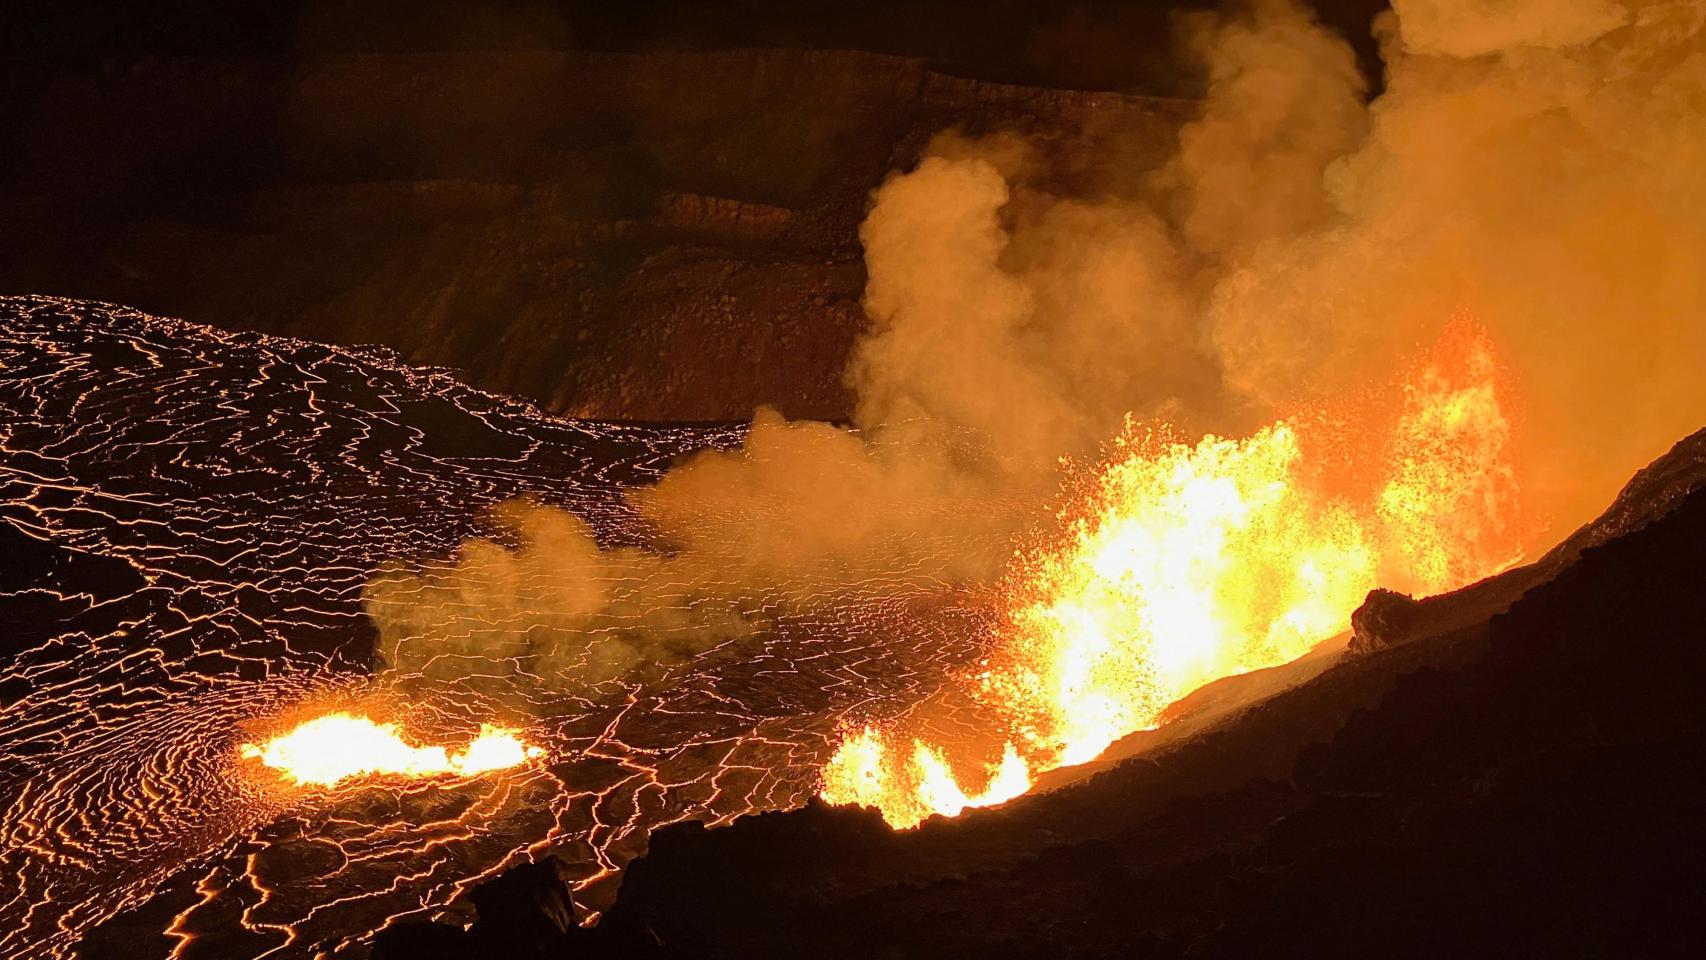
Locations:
column 1188, row 562
column 330, row 749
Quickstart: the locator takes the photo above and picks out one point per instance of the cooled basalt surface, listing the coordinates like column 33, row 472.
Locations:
column 187, row 519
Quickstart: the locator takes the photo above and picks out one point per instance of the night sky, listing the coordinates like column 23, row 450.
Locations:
column 1113, row 44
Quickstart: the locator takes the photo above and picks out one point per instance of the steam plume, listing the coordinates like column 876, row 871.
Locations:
column 1533, row 162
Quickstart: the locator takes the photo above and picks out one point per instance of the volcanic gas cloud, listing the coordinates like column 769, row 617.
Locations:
column 1180, row 418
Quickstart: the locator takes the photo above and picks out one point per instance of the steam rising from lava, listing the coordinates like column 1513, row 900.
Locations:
column 1533, row 163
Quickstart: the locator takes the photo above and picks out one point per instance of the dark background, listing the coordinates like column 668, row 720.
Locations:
column 638, row 210
column 1098, row 44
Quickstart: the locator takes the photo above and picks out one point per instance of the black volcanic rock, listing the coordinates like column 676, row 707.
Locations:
column 1523, row 785
column 526, row 911
column 1385, row 617
column 756, row 864
column 422, row 940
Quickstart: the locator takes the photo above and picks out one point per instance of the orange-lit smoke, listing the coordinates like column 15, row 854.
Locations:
column 335, row 747
column 1535, row 162
column 1187, row 562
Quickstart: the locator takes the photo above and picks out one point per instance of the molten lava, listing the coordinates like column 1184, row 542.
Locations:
column 1188, row 562
column 336, row 747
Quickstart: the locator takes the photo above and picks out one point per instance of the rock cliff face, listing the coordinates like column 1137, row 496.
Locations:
column 637, row 236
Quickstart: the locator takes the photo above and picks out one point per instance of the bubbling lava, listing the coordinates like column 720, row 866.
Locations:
column 1182, row 563
column 330, row 749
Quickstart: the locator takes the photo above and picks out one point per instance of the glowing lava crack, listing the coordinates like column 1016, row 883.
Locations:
column 328, row 750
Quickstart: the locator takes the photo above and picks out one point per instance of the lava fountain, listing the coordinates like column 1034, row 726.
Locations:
column 330, row 749
column 1181, row 563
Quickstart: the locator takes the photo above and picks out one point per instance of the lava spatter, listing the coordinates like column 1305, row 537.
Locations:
column 1187, row 562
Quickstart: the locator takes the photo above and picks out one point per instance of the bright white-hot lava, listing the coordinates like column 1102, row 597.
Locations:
column 1187, row 562
column 330, row 749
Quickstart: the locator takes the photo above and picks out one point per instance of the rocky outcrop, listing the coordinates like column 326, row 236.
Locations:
column 525, row 912
column 528, row 910
column 719, row 218
column 1385, row 617
column 423, row 940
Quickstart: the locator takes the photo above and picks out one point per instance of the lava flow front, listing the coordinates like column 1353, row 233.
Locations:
column 1188, row 562
column 340, row 746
